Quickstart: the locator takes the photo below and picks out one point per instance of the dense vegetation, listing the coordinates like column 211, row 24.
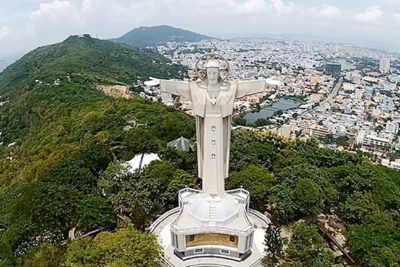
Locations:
column 65, row 172
column 66, row 136
column 308, row 180
column 159, row 35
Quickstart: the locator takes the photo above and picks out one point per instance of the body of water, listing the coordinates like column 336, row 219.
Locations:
column 268, row 111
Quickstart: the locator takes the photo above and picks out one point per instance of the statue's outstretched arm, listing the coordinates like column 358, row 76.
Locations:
column 250, row 87
column 180, row 88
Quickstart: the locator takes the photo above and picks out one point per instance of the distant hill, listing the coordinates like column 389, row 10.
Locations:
column 158, row 35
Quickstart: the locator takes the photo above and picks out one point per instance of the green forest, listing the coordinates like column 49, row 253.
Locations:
column 64, row 171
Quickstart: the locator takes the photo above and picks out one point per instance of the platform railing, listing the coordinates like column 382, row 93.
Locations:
column 165, row 215
column 243, row 191
column 186, row 190
column 214, row 229
column 260, row 216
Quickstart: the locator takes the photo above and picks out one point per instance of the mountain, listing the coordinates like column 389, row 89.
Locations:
column 158, row 35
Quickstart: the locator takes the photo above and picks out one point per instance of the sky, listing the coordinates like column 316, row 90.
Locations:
column 27, row 24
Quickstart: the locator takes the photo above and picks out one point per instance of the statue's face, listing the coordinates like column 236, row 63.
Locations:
column 212, row 75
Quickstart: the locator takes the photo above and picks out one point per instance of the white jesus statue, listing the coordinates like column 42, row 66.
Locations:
column 212, row 98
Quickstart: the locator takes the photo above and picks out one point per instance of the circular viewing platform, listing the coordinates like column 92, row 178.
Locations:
column 162, row 228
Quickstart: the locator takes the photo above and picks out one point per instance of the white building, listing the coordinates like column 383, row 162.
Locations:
column 377, row 142
column 384, row 65
column 392, row 127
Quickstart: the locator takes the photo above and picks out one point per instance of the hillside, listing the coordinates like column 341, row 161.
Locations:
column 158, row 35
column 47, row 86
column 77, row 64
column 59, row 133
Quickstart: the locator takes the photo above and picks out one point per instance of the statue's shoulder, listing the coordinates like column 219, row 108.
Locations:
column 198, row 84
column 229, row 85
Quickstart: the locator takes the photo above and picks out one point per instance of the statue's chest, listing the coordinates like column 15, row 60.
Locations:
column 220, row 102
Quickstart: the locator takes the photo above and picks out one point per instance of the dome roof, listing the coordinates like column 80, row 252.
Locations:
column 208, row 208
column 181, row 144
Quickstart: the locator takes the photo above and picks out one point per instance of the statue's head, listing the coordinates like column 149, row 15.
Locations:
column 212, row 71
column 212, row 68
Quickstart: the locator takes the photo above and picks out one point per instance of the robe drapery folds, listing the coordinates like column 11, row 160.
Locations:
column 197, row 94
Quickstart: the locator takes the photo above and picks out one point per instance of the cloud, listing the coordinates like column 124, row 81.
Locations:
column 54, row 10
column 251, row 7
column 234, row 7
column 4, row 32
column 325, row 11
column 370, row 15
column 283, row 8
column 396, row 18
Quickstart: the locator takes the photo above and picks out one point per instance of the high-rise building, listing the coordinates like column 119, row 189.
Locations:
column 384, row 65
column 333, row 69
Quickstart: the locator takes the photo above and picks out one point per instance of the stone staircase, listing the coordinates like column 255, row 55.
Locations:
column 212, row 213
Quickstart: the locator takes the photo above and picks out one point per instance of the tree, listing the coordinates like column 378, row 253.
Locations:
column 124, row 248
column 274, row 246
column 377, row 244
column 132, row 195
column 284, row 206
column 309, row 197
column 287, row 157
column 142, row 140
column 180, row 180
column 140, row 205
column 184, row 160
column 161, row 172
column 238, row 120
column 95, row 212
column 308, row 248
column 6, row 255
column 46, row 255
column 74, row 173
column 172, row 125
column 358, row 207
column 254, row 178
column 52, row 210
column 265, row 153
column 261, row 122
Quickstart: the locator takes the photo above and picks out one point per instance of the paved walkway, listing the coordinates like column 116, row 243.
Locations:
column 162, row 230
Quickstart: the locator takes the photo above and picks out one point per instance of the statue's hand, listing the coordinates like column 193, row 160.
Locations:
column 162, row 86
column 213, row 100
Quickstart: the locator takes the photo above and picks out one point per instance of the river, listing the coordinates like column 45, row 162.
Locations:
column 268, row 111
